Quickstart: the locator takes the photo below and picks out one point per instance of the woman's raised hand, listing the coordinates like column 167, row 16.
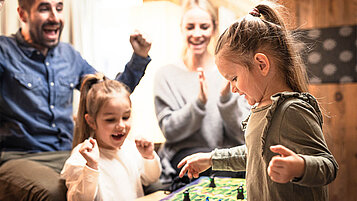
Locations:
column 203, row 86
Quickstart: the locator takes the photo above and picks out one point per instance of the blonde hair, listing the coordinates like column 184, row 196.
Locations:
column 205, row 5
column 264, row 30
column 96, row 89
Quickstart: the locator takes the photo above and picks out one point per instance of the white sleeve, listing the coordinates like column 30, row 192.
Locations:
column 151, row 170
column 81, row 180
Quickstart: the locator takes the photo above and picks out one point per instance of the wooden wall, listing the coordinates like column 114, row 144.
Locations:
column 340, row 129
column 339, row 101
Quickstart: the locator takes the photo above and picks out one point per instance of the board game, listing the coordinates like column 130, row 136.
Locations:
column 226, row 189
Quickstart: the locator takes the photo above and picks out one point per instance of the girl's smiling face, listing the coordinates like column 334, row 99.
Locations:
column 113, row 122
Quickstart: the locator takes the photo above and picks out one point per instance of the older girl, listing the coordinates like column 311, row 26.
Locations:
column 286, row 156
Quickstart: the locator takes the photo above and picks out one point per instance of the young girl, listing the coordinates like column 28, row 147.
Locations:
column 105, row 166
column 285, row 156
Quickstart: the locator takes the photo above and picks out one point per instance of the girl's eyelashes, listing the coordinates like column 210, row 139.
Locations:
column 110, row 120
column 234, row 79
column 126, row 118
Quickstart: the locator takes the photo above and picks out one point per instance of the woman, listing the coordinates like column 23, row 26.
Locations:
column 194, row 106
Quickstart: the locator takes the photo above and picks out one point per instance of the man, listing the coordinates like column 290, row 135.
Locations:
column 38, row 74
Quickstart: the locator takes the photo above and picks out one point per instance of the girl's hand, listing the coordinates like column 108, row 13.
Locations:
column 286, row 166
column 90, row 152
column 226, row 89
column 203, row 86
column 146, row 148
column 195, row 164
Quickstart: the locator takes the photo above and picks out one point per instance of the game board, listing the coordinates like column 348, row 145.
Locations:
column 225, row 190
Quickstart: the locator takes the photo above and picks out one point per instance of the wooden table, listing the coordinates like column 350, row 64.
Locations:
column 158, row 195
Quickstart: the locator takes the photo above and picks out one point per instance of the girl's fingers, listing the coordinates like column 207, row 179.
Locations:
column 280, row 149
column 189, row 174
column 277, row 161
column 196, row 175
column 183, row 171
column 181, row 163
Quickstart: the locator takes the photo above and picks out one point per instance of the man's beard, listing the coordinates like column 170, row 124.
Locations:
column 38, row 38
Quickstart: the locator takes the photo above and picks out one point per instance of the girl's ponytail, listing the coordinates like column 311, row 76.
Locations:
column 82, row 130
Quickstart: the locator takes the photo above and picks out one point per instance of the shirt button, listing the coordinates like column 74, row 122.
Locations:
column 53, row 125
column 47, row 63
column 52, row 106
column 52, row 84
column 38, row 52
column 71, row 85
column 29, row 85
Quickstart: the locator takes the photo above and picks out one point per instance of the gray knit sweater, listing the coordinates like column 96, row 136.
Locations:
column 185, row 121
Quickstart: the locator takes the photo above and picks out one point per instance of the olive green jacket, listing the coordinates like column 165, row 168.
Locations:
column 293, row 120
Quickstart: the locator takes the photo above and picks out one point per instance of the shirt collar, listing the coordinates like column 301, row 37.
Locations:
column 29, row 50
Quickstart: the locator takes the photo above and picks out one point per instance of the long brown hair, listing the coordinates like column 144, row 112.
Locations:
column 265, row 30
column 96, row 89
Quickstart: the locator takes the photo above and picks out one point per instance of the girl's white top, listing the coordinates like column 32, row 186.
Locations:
column 120, row 176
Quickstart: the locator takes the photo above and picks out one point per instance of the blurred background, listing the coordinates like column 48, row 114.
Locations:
column 100, row 29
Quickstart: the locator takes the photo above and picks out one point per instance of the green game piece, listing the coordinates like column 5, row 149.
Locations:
column 186, row 196
column 240, row 194
column 212, row 184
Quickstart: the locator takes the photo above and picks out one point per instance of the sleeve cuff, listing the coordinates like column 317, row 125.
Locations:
column 139, row 62
column 200, row 105
column 156, row 157
column 225, row 98
column 218, row 159
column 91, row 174
column 306, row 178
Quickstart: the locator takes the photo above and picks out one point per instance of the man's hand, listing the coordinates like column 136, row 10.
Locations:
column 286, row 166
column 90, row 152
column 146, row 148
column 141, row 45
column 195, row 164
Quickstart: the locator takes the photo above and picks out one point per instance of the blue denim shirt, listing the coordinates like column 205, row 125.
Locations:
column 36, row 93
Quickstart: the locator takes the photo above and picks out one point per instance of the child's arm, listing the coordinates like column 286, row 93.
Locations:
column 81, row 180
column 151, row 169
column 231, row 159
column 300, row 130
